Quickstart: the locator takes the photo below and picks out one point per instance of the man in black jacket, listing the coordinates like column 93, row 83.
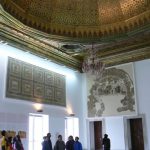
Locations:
column 106, row 142
column 70, row 143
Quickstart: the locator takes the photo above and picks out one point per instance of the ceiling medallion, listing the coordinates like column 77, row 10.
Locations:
column 92, row 64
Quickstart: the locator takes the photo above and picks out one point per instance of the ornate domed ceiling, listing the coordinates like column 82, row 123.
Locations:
column 63, row 30
column 81, row 18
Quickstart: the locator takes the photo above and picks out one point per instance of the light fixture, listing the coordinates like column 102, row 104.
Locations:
column 38, row 107
column 92, row 64
column 40, row 110
column 72, row 115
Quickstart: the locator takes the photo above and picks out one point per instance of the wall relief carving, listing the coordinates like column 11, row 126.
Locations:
column 112, row 93
column 32, row 83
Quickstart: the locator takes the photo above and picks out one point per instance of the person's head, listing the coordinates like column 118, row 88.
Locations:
column 76, row 138
column 70, row 137
column 106, row 135
column 49, row 135
column 59, row 137
column 3, row 133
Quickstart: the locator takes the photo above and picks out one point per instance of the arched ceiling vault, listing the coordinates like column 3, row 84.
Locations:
column 120, row 29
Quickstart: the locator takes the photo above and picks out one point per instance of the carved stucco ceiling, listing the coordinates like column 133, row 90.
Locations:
column 119, row 29
column 81, row 18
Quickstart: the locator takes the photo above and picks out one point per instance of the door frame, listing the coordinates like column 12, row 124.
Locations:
column 127, row 135
column 43, row 131
column 90, row 135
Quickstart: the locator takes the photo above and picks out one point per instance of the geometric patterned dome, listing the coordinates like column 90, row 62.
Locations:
column 81, row 18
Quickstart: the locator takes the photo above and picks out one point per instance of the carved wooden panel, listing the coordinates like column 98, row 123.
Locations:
column 32, row 83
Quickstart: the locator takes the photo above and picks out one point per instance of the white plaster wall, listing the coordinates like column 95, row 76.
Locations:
column 57, row 126
column 114, row 127
column 56, row 114
column 142, row 79
column 92, row 138
column 84, row 114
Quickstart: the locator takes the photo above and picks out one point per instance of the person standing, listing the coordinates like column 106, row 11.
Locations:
column 60, row 144
column 18, row 143
column 44, row 139
column 10, row 147
column 77, row 144
column 4, row 140
column 49, row 141
column 47, row 144
column 106, row 142
column 70, row 143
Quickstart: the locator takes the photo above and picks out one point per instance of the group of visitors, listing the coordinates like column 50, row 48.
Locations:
column 71, row 144
column 9, row 143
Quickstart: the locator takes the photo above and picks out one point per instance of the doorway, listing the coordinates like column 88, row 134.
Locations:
column 95, row 129
column 98, row 134
column 136, row 132
column 38, row 127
